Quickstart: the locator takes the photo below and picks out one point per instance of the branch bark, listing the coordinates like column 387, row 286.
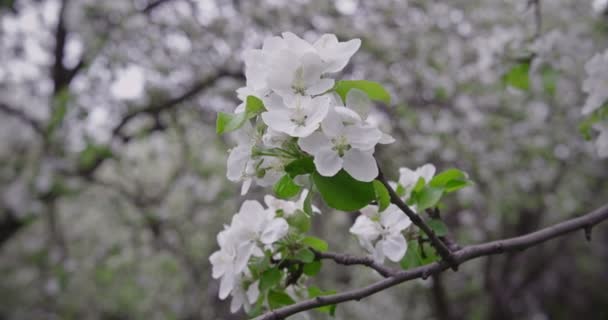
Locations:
column 349, row 260
column 467, row 253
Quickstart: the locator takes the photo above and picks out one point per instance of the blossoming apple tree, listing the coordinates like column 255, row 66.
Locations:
column 303, row 132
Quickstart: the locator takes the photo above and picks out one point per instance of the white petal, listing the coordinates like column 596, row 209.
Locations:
column 328, row 162
column 386, row 139
column 378, row 253
column 279, row 120
column 320, row 86
column 366, row 228
column 314, row 143
column 358, row 101
column 296, row 43
column 237, row 161
column 245, row 187
column 274, row 231
column 226, row 285
column 361, row 165
column 253, row 292
column 236, row 303
column 362, row 137
column 394, row 247
column 427, row 172
column 332, row 125
column 394, row 220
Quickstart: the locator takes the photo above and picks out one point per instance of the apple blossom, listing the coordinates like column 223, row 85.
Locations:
column 409, row 178
column 380, row 232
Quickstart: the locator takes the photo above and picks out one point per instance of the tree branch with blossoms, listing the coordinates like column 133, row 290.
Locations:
column 301, row 132
column 465, row 254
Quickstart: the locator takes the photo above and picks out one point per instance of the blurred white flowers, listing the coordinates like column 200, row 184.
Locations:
column 380, row 233
column 596, row 83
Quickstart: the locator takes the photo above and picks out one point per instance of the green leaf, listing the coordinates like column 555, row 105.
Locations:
column 92, row 154
column 418, row 255
column 270, row 279
column 313, row 268
column 254, row 106
column 428, row 197
column 315, row 243
column 229, row 122
column 550, row 77
column 439, row 227
column 300, row 166
column 374, row 90
column 382, row 196
column 518, row 76
column 440, row 180
column 305, row 255
column 450, row 180
column 60, row 109
column 277, row 299
column 307, row 206
column 343, row 192
column 300, row 221
column 314, row 292
column 412, row 257
column 286, row 188
column 598, row 115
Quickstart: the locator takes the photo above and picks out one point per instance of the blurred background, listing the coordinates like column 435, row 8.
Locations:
column 112, row 179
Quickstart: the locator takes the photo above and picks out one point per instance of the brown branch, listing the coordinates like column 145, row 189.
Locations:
column 439, row 245
column 194, row 90
column 467, row 253
column 349, row 260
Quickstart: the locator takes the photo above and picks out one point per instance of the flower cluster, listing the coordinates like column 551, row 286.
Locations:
column 596, row 105
column 380, row 232
column 302, row 115
column 253, row 230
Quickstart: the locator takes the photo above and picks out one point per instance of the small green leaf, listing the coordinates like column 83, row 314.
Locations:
column 439, row 227
column 400, row 190
column 313, row 268
column 286, row 188
column 382, row 196
column 343, row 192
column 518, row 76
column 305, row 255
column 254, row 106
column 374, row 90
column 418, row 255
column 598, row 115
column 270, row 279
column 428, row 197
column 550, row 77
column 277, row 299
column 440, row 180
column 229, row 122
column 315, row 243
column 92, row 154
column 300, row 166
column 314, row 292
column 60, row 109
column 300, row 220
column 307, row 206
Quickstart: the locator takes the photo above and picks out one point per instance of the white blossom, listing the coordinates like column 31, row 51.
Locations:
column 409, row 178
column 380, row 232
column 300, row 118
column 252, row 230
column 346, row 142
column 596, row 83
column 288, row 207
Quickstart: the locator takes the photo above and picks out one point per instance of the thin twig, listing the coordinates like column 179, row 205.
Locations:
column 439, row 245
column 348, row 260
column 467, row 253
